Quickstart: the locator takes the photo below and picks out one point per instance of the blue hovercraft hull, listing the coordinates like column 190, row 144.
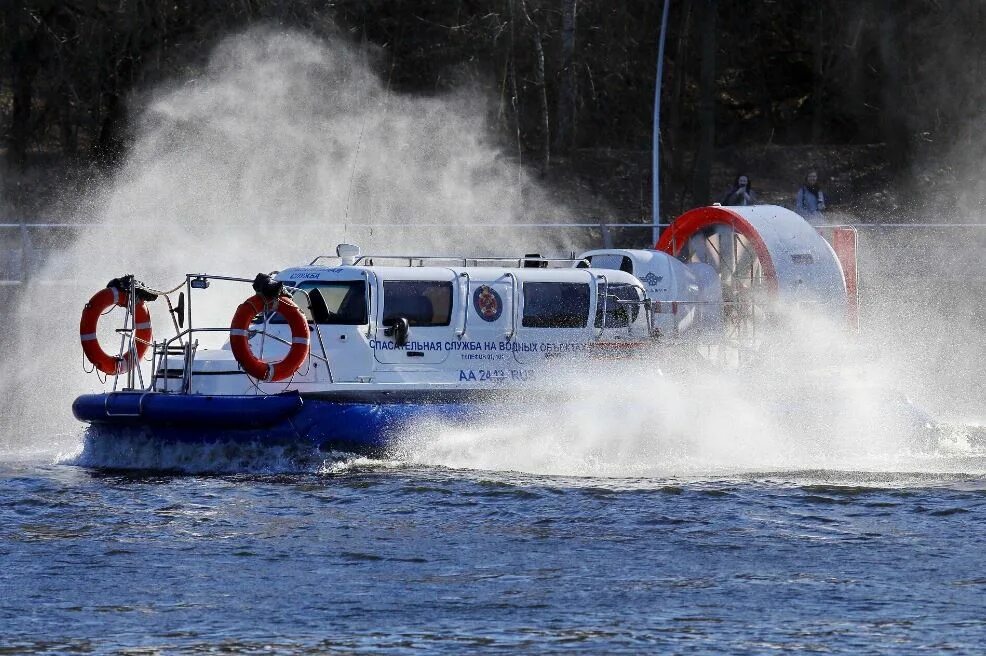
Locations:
column 357, row 424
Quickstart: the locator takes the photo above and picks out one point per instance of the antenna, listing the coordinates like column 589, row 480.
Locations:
column 359, row 142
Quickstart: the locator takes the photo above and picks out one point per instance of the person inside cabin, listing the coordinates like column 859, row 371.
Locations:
column 741, row 192
column 810, row 201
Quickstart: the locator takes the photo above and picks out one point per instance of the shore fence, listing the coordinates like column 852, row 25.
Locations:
column 950, row 253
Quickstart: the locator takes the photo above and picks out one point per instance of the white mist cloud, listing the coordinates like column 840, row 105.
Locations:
column 809, row 399
column 262, row 161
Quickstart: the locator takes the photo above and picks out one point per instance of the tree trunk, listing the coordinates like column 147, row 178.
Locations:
column 854, row 91
column 514, row 99
column 706, row 107
column 818, row 105
column 565, row 117
column 66, row 124
column 674, row 138
column 112, row 130
column 24, row 58
column 893, row 123
column 542, row 88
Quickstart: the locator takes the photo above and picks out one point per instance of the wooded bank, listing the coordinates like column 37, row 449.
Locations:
column 568, row 75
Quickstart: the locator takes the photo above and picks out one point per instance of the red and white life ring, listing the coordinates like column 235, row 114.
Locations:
column 97, row 305
column 239, row 338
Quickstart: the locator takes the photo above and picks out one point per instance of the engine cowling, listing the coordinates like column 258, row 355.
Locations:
column 733, row 265
column 796, row 265
column 684, row 297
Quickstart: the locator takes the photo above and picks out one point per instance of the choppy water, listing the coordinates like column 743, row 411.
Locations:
column 388, row 557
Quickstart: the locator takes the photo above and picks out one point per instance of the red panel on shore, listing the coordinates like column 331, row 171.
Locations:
column 844, row 241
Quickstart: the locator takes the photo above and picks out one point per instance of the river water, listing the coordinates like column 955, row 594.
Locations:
column 637, row 512
column 386, row 556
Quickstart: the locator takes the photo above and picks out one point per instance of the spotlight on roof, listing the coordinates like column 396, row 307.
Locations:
column 348, row 253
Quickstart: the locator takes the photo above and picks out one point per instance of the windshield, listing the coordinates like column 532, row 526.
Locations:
column 337, row 302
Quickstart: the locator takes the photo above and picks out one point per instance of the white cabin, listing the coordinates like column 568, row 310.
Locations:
column 466, row 326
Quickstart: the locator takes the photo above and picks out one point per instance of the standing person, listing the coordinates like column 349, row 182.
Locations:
column 810, row 202
column 741, row 193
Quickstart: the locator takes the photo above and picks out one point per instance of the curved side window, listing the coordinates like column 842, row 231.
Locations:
column 618, row 315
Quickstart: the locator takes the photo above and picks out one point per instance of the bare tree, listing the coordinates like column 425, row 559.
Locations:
column 701, row 193
column 818, row 73
column 514, row 94
column 25, row 47
column 674, row 137
column 565, row 121
column 892, row 120
column 542, row 87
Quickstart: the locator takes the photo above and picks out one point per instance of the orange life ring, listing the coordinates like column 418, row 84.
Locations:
column 239, row 338
column 99, row 303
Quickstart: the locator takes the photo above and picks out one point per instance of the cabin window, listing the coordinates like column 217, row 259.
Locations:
column 421, row 302
column 618, row 315
column 337, row 302
column 556, row 305
column 341, row 303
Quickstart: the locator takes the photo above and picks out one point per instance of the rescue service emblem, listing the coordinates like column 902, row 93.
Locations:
column 487, row 302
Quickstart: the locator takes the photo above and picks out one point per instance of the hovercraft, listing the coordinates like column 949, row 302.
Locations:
column 343, row 353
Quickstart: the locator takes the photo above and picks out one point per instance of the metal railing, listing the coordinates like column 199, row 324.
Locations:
column 25, row 246
column 183, row 344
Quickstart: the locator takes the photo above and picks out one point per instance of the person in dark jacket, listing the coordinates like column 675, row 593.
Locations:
column 741, row 193
column 810, row 201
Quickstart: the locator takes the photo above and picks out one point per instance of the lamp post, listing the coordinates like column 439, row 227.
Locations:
column 656, row 147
